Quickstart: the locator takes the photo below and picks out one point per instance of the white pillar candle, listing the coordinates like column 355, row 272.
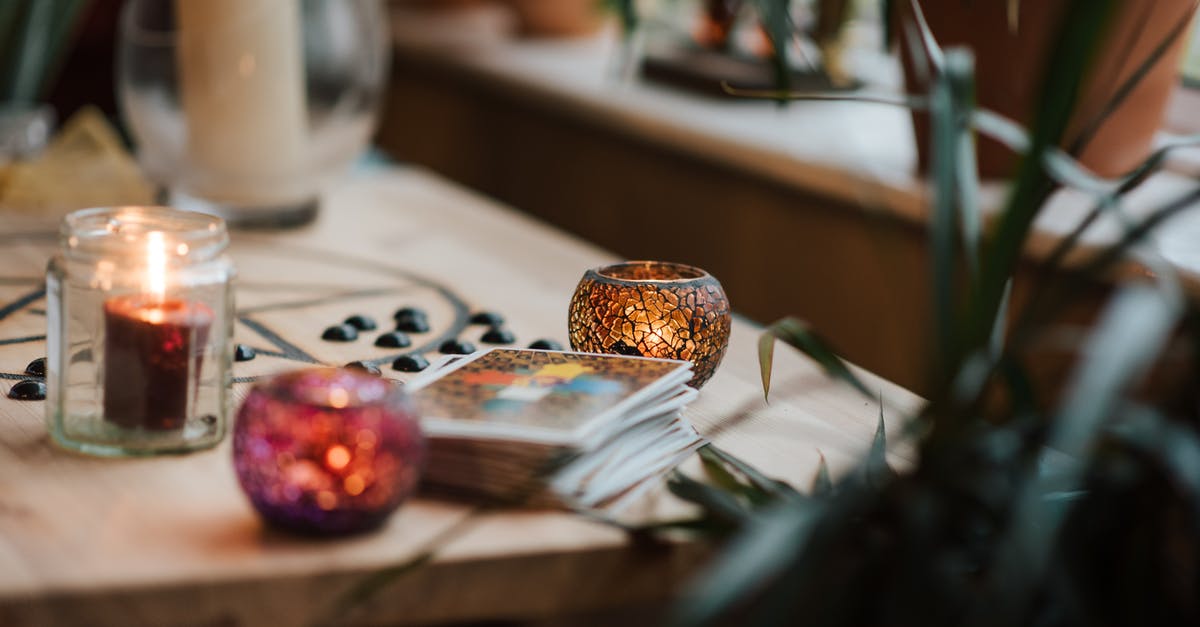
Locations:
column 241, row 70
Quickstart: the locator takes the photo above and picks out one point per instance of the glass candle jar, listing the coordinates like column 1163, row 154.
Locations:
column 139, row 327
column 327, row 451
column 652, row 309
column 246, row 108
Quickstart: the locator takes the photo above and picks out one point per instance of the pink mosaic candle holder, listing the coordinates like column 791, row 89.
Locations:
column 327, row 451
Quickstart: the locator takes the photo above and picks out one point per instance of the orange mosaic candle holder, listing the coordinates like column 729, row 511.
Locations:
column 652, row 309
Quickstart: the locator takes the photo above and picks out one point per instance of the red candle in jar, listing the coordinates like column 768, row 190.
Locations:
column 153, row 346
column 152, row 353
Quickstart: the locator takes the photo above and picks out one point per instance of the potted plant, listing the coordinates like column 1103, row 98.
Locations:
column 1083, row 510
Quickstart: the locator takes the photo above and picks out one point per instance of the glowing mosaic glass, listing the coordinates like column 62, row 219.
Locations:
column 653, row 309
column 327, row 451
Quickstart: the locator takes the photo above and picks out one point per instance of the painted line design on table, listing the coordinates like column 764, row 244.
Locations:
column 21, row 302
column 22, row 340
column 290, row 351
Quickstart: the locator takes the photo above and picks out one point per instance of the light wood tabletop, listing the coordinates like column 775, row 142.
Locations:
column 172, row 540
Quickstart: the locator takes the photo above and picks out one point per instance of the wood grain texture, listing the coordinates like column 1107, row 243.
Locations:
column 172, row 541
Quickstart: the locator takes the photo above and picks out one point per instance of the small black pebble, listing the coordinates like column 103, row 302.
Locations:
column 208, row 419
column 361, row 322
column 241, row 352
column 498, row 335
column 28, row 390
column 340, row 333
column 393, row 339
column 365, row 367
column 408, row 312
column 546, row 345
column 621, row 348
column 413, row 324
column 37, row 367
column 410, row 363
column 490, row 318
column 456, row 347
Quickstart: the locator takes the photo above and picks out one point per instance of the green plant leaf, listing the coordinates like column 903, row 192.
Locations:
column 797, row 334
column 776, row 19
column 951, row 98
column 933, row 51
column 1083, row 23
column 774, row 487
column 627, row 14
column 10, row 20
column 822, row 482
column 719, row 474
column 876, row 468
column 886, row 17
column 718, row 503
column 33, row 37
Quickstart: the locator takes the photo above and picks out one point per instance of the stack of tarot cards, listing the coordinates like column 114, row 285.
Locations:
column 552, row 428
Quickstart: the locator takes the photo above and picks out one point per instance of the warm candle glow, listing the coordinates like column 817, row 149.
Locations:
column 156, row 265
column 156, row 275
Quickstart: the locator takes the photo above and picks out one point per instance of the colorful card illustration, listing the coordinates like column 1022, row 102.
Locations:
column 558, row 396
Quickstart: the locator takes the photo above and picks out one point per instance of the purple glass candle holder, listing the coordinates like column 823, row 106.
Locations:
column 327, row 451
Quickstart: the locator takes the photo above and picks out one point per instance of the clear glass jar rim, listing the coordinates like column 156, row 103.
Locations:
column 117, row 231
column 687, row 273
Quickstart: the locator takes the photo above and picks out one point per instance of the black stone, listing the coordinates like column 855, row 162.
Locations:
column 28, row 390
column 408, row 312
column 37, row 367
column 456, row 347
column 242, row 352
column 498, row 335
column 361, row 322
column 621, row 348
column 413, row 324
column 393, row 339
column 546, row 345
column 410, row 363
column 365, row 367
column 340, row 333
column 209, row 420
column 490, row 318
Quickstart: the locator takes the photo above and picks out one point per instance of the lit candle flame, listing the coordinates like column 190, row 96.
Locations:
column 156, row 265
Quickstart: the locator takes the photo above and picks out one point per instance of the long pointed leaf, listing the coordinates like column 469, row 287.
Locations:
column 933, row 51
column 797, row 334
column 877, row 469
column 717, row 472
column 720, row 504
column 822, row 482
column 773, row 486
column 1083, row 22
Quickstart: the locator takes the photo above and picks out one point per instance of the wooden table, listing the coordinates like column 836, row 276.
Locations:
column 172, row 541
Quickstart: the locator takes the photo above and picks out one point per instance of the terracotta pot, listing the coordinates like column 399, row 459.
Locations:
column 1009, row 72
